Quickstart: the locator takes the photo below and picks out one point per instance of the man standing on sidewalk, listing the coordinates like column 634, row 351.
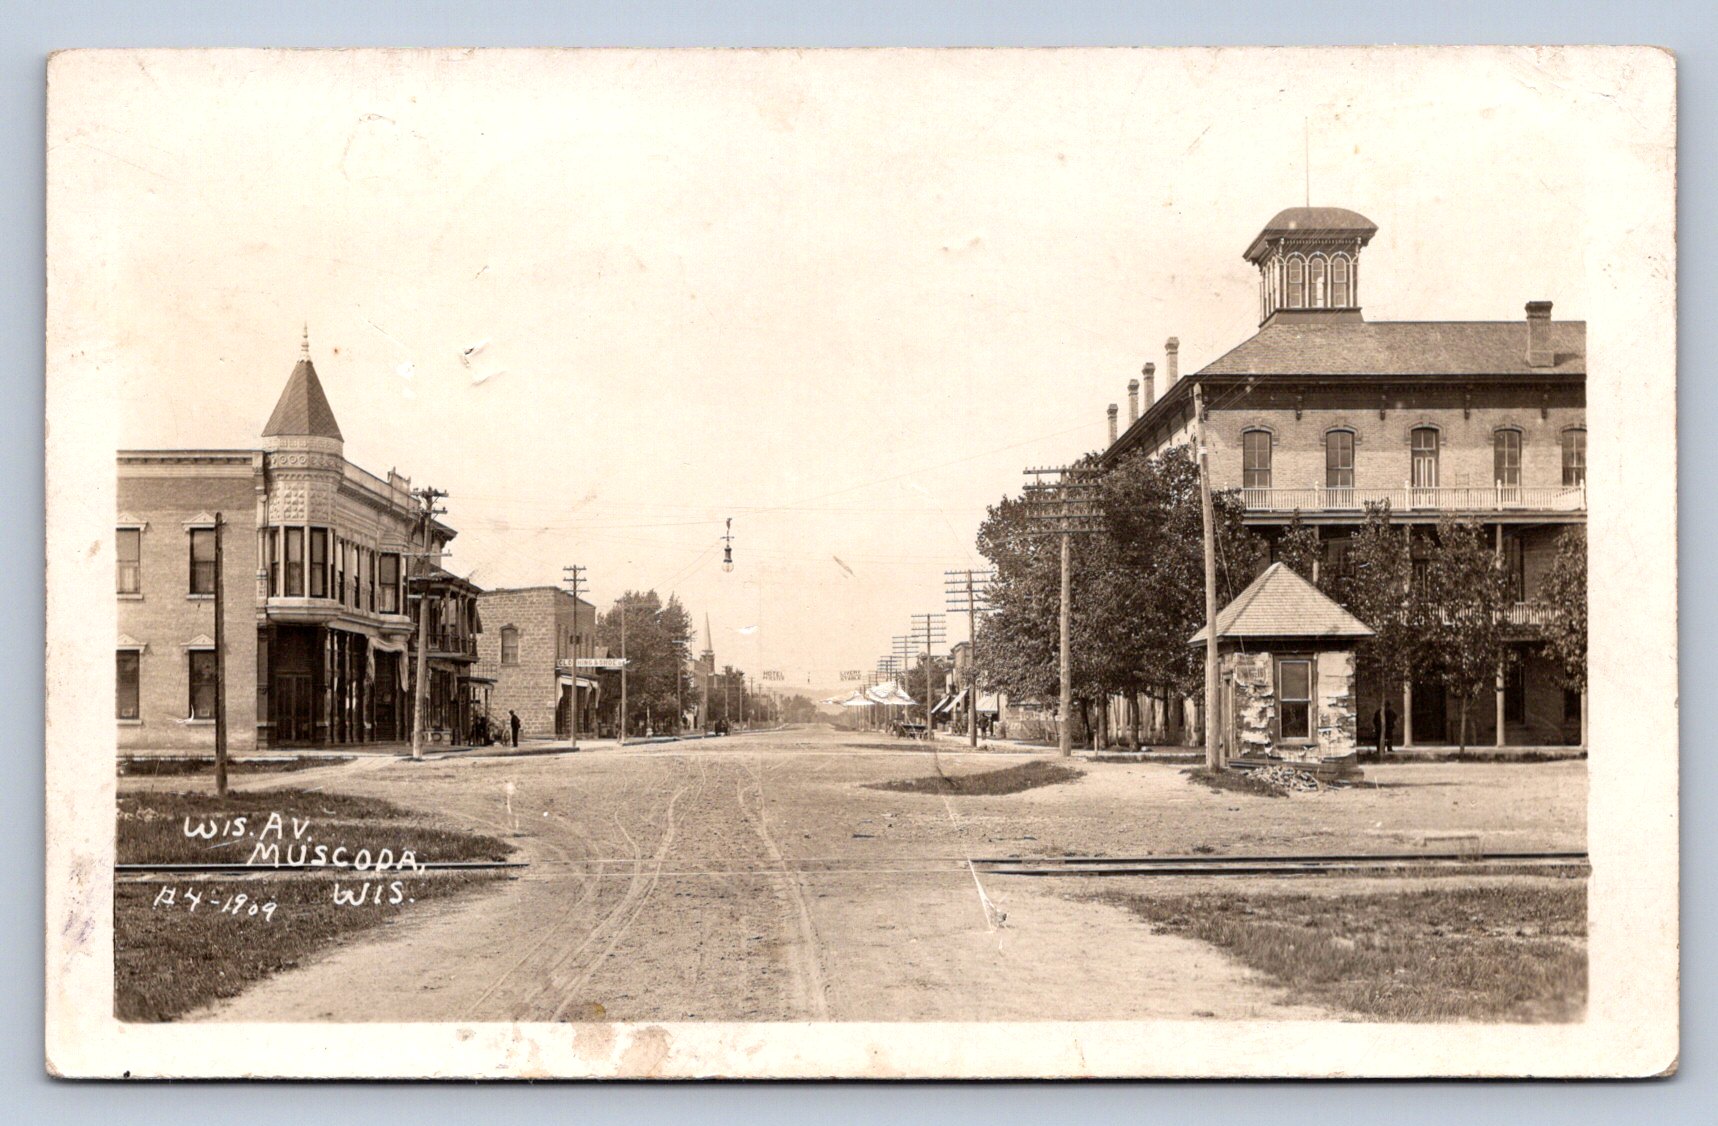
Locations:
column 513, row 725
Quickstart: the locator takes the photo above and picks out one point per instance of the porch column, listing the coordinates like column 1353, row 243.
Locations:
column 1407, row 713
column 1500, row 709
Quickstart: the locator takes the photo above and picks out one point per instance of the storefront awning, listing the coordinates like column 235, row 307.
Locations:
column 388, row 645
column 580, row 681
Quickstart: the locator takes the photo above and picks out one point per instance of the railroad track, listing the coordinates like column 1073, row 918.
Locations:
column 1413, row 863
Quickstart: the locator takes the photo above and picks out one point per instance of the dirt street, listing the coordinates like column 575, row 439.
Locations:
column 759, row 878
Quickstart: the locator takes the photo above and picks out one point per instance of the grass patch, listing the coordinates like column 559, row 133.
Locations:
column 1235, row 781
column 169, row 960
column 990, row 783
column 152, row 827
column 151, row 766
column 1507, row 953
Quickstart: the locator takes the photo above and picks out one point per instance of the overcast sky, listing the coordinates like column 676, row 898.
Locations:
column 608, row 300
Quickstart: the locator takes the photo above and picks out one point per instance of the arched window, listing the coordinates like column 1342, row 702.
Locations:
column 1317, row 296
column 1296, row 283
column 1506, row 458
column 1341, row 296
column 1423, row 442
column 509, row 645
column 1256, row 459
column 1339, row 464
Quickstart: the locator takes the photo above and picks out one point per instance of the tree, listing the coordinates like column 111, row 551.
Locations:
column 1152, row 516
column 657, row 636
column 1300, row 550
column 1564, row 591
column 1379, row 590
column 1465, row 594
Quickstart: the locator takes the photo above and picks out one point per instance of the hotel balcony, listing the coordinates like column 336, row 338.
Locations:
column 452, row 645
column 1554, row 502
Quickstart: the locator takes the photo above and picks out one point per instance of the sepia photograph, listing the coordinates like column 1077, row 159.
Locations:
column 884, row 564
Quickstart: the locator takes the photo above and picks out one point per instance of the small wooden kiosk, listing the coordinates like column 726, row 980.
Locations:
column 1286, row 674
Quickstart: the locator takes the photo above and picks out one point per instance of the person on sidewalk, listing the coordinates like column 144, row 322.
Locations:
column 1384, row 723
column 513, row 725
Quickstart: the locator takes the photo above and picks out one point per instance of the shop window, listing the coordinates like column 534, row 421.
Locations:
column 130, row 666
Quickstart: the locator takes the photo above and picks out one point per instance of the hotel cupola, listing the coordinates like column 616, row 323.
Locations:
column 1309, row 264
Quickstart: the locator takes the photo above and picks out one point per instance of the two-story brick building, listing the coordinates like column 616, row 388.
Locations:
column 1322, row 412
column 321, row 566
column 534, row 638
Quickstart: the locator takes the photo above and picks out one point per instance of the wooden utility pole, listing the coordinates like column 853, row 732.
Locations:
column 1208, row 523
column 420, row 690
column 968, row 599
column 220, row 664
column 622, row 725
column 574, row 576
column 934, row 631
column 1063, row 506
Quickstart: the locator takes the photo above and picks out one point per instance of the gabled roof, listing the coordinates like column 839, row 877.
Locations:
column 1279, row 603
column 1437, row 348
column 303, row 408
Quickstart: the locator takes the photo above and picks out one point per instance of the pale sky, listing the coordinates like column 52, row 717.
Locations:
column 841, row 298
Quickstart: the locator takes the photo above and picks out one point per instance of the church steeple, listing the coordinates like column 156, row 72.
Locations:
column 1309, row 263
column 709, row 643
column 303, row 410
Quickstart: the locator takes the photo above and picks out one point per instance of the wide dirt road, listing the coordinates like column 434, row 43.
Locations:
column 760, row 878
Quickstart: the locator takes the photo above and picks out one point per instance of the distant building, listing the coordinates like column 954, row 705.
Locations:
column 1322, row 411
column 320, row 565
column 533, row 640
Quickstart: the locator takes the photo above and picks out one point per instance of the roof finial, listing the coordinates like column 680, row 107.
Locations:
column 304, row 343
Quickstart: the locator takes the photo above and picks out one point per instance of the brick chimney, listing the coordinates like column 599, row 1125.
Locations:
column 1113, row 412
column 1540, row 354
column 1172, row 361
column 1149, row 394
column 1132, row 401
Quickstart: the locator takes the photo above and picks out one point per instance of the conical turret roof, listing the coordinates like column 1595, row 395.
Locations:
column 303, row 409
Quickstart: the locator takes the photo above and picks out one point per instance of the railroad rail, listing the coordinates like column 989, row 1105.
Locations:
column 1412, row 863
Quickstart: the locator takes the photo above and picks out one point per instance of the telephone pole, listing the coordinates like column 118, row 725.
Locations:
column 427, row 510
column 930, row 628
column 622, row 726
column 1063, row 507
column 964, row 593
column 573, row 576
column 220, row 664
column 1208, row 522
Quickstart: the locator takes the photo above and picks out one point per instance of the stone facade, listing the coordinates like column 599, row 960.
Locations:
column 542, row 629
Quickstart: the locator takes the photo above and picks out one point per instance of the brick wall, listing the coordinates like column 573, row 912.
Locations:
column 1381, row 447
column 164, row 618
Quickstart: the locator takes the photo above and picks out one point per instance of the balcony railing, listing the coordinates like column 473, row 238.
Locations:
column 1410, row 498
column 448, row 642
column 1527, row 613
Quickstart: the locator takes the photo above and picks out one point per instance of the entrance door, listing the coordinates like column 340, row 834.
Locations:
column 293, row 706
column 1431, row 714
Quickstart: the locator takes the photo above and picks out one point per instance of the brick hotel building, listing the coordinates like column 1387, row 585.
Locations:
column 1322, row 411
